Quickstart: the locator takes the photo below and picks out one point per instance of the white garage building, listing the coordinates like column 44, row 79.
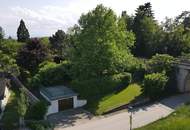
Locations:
column 61, row 98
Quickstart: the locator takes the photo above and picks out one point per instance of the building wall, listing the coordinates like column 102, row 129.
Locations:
column 79, row 103
column 181, row 77
column 3, row 102
column 75, row 104
column 53, row 108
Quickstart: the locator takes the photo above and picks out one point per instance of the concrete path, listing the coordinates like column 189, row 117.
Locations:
column 141, row 116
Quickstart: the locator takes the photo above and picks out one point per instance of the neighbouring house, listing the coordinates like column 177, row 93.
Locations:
column 4, row 94
column 61, row 98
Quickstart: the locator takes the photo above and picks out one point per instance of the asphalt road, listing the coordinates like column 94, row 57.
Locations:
column 141, row 116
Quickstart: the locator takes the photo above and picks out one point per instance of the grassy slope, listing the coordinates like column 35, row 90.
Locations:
column 114, row 100
column 179, row 120
column 10, row 117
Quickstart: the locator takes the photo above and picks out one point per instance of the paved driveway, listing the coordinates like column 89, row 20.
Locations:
column 141, row 116
column 70, row 118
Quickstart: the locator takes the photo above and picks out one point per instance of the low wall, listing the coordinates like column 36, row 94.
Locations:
column 81, row 103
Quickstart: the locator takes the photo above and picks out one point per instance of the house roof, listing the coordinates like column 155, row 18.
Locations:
column 57, row 92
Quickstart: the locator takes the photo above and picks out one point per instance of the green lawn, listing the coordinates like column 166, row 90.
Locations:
column 179, row 120
column 114, row 100
column 10, row 118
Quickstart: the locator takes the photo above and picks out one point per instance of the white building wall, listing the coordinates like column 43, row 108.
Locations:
column 78, row 103
column 81, row 103
column 75, row 103
column 3, row 102
column 53, row 108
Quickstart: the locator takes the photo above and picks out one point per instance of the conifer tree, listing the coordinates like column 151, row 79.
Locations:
column 22, row 32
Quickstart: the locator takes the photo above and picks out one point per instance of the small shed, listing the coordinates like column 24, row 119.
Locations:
column 61, row 98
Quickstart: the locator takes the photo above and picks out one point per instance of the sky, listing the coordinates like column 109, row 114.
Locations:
column 45, row 17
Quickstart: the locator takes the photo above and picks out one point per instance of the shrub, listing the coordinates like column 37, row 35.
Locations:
column 101, row 85
column 39, row 125
column 10, row 47
column 51, row 74
column 138, row 69
column 154, row 85
column 164, row 62
column 37, row 111
column 124, row 78
column 161, row 62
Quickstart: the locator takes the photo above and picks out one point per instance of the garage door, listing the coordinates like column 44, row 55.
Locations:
column 65, row 104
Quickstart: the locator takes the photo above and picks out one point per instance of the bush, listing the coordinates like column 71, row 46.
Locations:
column 51, row 73
column 39, row 125
column 164, row 62
column 100, row 86
column 10, row 47
column 160, row 63
column 32, row 54
column 138, row 69
column 124, row 78
column 154, row 85
column 37, row 111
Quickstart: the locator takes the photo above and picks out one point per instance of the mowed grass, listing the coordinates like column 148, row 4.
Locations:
column 10, row 118
column 114, row 100
column 179, row 120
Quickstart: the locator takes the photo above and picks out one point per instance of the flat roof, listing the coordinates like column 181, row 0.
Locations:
column 57, row 92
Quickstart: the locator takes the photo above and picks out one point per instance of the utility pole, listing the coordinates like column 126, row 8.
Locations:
column 131, row 118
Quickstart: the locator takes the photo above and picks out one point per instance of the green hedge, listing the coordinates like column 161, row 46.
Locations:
column 39, row 125
column 37, row 111
column 154, row 85
column 101, row 86
column 51, row 73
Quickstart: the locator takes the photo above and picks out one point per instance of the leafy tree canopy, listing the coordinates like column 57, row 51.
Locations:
column 59, row 42
column 160, row 63
column 32, row 54
column 8, row 64
column 102, row 45
column 145, row 29
column 10, row 47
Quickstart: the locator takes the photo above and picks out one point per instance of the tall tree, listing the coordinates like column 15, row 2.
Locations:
column 183, row 18
column 145, row 28
column 59, row 43
column 1, row 33
column 128, row 20
column 22, row 32
column 32, row 54
column 176, row 35
column 178, row 41
column 101, row 47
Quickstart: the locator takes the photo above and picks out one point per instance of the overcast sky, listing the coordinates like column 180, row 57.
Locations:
column 44, row 17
